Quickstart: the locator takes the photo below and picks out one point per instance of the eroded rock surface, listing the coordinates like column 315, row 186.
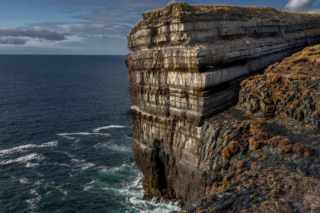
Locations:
column 289, row 90
column 186, row 65
column 263, row 154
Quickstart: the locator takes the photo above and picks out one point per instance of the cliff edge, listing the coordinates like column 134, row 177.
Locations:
column 185, row 66
column 262, row 155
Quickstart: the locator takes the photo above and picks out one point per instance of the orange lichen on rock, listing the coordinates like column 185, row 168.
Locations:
column 208, row 190
column 260, row 138
column 255, row 126
column 286, row 93
column 301, row 64
column 240, row 164
column 231, row 149
column 220, row 125
column 301, row 150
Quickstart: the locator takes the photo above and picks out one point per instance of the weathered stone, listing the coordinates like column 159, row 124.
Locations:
column 186, row 65
column 226, row 205
column 189, row 208
column 301, row 171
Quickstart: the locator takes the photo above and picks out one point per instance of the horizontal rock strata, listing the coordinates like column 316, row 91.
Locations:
column 263, row 154
column 184, row 59
column 186, row 65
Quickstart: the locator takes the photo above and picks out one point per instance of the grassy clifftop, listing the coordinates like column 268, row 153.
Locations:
column 224, row 12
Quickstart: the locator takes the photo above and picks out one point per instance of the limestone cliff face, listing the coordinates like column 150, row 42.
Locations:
column 252, row 150
column 186, row 65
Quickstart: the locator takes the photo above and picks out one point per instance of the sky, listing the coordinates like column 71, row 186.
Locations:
column 93, row 27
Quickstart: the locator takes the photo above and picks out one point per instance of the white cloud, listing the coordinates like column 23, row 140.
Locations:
column 87, row 29
column 31, row 32
column 302, row 6
column 12, row 40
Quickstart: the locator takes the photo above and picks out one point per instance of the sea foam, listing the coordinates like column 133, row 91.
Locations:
column 109, row 127
column 28, row 146
column 24, row 159
column 66, row 135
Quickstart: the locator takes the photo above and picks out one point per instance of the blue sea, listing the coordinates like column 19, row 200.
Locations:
column 66, row 136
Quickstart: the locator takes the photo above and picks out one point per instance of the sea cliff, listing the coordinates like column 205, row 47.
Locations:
column 185, row 68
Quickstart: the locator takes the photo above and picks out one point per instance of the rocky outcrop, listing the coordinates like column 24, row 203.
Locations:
column 289, row 90
column 263, row 154
column 186, row 65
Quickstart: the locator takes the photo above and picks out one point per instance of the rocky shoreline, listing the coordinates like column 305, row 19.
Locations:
column 189, row 66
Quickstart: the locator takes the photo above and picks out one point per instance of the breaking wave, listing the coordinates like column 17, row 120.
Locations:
column 28, row 146
column 109, row 127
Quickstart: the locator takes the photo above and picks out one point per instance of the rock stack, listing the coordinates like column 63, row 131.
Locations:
column 185, row 66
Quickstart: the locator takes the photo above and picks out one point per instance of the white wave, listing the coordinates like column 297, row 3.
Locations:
column 66, row 135
column 119, row 168
column 137, row 201
column 141, row 205
column 33, row 202
column 24, row 159
column 28, row 146
column 118, row 148
column 87, row 166
column 137, row 182
column 64, row 192
column 30, row 165
column 38, row 182
column 131, row 189
column 83, row 164
column 109, row 127
column 125, row 192
column 62, row 164
column 88, row 186
column 23, row 180
column 164, row 209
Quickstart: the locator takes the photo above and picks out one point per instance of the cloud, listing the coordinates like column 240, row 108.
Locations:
column 100, row 23
column 302, row 6
column 87, row 29
column 12, row 40
column 122, row 11
column 107, row 15
column 31, row 32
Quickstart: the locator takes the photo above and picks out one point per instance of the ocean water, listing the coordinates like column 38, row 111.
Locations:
column 66, row 136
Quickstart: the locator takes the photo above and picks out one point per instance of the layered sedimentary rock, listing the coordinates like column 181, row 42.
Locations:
column 186, row 65
column 263, row 154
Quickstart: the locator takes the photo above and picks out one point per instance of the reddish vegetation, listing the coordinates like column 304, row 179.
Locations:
column 231, row 149
column 289, row 89
column 208, row 190
column 220, row 125
column 260, row 138
column 240, row 164
column 281, row 188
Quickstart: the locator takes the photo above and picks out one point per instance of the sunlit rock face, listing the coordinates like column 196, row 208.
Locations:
column 186, row 65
